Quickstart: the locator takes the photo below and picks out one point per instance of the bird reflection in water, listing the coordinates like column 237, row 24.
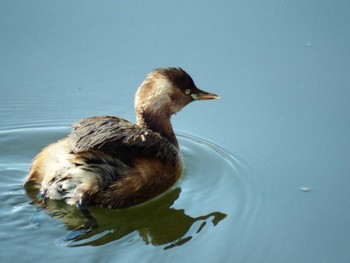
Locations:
column 156, row 222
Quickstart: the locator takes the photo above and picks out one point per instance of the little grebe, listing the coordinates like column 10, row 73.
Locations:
column 109, row 162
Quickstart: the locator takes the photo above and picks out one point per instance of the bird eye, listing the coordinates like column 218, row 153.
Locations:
column 188, row 91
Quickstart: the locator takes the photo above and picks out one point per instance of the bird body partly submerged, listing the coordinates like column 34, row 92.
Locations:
column 109, row 162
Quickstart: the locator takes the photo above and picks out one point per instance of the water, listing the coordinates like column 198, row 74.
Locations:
column 267, row 165
column 189, row 212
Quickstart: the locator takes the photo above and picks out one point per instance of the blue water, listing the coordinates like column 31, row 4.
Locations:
column 267, row 165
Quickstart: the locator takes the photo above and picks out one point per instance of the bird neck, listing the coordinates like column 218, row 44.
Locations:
column 158, row 122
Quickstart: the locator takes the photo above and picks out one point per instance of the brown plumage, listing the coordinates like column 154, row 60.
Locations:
column 108, row 161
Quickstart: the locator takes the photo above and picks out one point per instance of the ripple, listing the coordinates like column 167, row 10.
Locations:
column 214, row 197
column 217, row 177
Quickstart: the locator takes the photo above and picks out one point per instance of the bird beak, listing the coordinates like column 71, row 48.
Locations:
column 203, row 95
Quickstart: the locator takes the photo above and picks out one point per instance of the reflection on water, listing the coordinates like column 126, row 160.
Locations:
column 207, row 207
column 172, row 219
column 156, row 222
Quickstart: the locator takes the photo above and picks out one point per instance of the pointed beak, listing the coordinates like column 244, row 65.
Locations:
column 203, row 95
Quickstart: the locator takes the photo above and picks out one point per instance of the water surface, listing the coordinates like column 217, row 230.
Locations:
column 267, row 166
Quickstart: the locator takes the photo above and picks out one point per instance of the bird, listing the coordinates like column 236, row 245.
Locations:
column 109, row 162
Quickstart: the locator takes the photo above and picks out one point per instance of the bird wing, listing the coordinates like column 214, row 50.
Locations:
column 118, row 137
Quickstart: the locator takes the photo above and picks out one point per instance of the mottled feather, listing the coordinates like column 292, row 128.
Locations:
column 110, row 162
column 123, row 139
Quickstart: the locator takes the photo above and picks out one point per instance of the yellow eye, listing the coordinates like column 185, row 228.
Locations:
column 188, row 91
